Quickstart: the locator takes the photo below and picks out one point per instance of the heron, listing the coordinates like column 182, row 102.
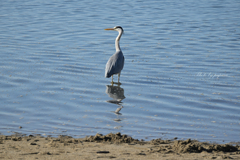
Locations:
column 116, row 61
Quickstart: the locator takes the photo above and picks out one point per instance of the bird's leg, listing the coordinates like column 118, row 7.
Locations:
column 119, row 78
column 112, row 79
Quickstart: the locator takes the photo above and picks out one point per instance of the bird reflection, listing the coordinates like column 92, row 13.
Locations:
column 118, row 110
column 117, row 95
column 115, row 92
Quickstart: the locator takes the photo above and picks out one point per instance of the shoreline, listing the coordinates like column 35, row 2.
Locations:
column 111, row 146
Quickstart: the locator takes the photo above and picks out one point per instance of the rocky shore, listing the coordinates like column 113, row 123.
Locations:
column 111, row 146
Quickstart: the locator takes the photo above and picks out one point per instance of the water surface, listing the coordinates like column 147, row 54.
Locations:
column 180, row 78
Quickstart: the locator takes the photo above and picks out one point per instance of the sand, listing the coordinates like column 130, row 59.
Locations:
column 111, row 146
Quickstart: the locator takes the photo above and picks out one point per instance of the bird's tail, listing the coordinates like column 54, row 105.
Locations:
column 107, row 75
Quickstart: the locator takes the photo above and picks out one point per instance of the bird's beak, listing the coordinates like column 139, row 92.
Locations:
column 109, row 29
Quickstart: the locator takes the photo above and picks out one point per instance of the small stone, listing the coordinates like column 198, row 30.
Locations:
column 33, row 143
column 102, row 151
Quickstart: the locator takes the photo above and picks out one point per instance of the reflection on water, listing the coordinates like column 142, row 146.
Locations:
column 117, row 94
column 118, row 110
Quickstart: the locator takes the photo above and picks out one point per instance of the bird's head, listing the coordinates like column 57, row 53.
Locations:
column 117, row 28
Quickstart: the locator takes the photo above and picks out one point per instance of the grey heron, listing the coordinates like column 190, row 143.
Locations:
column 116, row 61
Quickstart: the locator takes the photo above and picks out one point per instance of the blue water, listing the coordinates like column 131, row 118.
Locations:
column 180, row 78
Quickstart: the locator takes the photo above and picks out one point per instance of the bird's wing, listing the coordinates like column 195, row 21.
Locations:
column 115, row 64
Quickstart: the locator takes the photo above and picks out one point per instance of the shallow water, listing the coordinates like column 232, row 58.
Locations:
column 180, row 78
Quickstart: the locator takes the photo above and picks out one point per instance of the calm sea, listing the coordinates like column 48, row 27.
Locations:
column 181, row 76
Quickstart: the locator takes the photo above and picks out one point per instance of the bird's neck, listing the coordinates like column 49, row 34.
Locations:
column 117, row 41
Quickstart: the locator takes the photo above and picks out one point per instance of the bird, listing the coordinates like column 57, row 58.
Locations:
column 116, row 61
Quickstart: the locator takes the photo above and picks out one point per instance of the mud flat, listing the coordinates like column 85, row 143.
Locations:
column 111, row 146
